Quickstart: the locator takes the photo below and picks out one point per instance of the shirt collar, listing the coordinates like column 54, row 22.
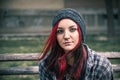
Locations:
column 90, row 59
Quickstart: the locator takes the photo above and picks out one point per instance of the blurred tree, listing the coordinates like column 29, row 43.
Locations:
column 118, row 6
column 110, row 19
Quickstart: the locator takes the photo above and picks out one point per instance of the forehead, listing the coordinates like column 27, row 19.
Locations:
column 66, row 23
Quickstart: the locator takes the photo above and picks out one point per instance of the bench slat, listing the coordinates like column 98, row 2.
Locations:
column 110, row 55
column 34, row 56
column 34, row 70
column 116, row 67
column 19, row 70
column 19, row 57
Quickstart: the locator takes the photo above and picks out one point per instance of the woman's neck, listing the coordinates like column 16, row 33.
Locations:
column 70, row 59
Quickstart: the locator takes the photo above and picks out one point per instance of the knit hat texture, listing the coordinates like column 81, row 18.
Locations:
column 73, row 15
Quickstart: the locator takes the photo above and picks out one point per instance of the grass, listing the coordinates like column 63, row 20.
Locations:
column 102, row 43
column 20, row 45
column 34, row 45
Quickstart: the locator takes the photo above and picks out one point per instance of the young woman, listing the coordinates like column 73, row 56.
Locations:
column 66, row 56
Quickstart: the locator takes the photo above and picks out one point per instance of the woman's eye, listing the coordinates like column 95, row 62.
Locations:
column 73, row 29
column 60, row 31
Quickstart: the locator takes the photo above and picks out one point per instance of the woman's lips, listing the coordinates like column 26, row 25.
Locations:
column 67, row 43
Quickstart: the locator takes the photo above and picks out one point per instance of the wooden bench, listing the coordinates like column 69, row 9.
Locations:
column 34, row 57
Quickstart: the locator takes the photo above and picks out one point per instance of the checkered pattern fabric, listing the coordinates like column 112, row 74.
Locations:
column 97, row 68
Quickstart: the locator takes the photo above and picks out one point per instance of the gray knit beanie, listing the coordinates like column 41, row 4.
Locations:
column 72, row 14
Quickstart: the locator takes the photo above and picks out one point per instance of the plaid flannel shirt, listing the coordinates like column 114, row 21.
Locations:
column 97, row 68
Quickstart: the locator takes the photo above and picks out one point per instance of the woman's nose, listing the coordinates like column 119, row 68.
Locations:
column 66, row 35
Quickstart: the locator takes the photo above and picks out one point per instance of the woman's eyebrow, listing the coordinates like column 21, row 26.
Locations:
column 60, row 28
column 72, row 26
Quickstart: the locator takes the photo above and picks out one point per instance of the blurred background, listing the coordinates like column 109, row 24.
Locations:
column 25, row 24
column 35, row 16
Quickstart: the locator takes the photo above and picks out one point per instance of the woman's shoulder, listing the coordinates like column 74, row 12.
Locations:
column 101, row 63
column 101, row 60
column 43, row 60
column 98, row 61
column 45, row 74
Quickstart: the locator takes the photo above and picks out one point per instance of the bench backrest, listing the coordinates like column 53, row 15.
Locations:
column 34, row 57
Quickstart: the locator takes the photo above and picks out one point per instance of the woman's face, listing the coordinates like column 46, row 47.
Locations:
column 67, row 34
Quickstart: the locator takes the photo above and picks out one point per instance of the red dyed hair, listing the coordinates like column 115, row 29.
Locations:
column 58, row 58
column 49, row 42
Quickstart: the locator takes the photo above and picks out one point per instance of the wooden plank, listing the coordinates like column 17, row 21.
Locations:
column 19, row 57
column 26, row 34
column 110, row 55
column 34, row 70
column 19, row 70
column 34, row 56
column 116, row 67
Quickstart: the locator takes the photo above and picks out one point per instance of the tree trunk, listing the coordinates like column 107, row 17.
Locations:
column 118, row 7
column 110, row 19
